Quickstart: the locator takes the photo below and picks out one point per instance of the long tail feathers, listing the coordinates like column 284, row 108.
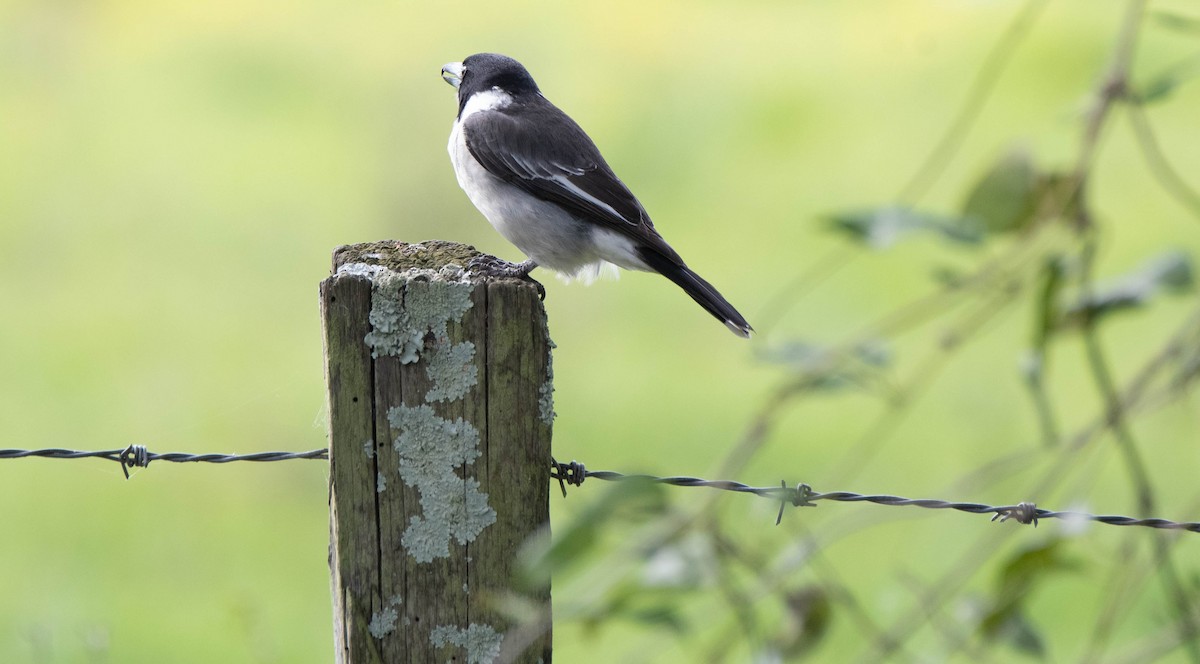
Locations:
column 701, row 291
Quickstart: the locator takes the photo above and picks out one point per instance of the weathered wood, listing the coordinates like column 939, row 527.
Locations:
column 440, row 422
column 353, row 553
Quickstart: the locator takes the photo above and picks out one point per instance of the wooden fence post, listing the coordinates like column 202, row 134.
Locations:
column 439, row 417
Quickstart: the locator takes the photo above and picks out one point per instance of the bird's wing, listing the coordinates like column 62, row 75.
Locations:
column 547, row 154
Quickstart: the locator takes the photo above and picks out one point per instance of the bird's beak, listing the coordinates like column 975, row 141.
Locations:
column 453, row 73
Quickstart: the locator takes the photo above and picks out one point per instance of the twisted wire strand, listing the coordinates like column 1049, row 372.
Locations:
column 802, row 495
column 574, row 473
column 137, row 456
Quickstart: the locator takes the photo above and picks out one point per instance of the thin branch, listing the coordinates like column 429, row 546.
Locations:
column 981, row 88
column 1139, row 476
column 1156, row 160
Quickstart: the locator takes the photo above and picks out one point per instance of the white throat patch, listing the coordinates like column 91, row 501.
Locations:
column 485, row 101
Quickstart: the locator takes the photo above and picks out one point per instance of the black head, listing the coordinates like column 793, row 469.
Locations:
column 484, row 71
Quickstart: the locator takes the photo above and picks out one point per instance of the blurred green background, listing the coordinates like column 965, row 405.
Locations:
column 174, row 176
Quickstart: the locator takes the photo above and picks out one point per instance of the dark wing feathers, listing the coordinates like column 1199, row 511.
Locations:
column 568, row 170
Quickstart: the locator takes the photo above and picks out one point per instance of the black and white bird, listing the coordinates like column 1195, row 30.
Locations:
column 543, row 185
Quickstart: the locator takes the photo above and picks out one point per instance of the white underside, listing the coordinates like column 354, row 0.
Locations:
column 554, row 238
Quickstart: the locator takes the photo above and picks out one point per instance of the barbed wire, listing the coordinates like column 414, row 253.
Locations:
column 803, row 495
column 574, row 473
column 137, row 456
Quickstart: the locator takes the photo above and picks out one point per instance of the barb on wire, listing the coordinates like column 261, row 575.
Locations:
column 802, row 495
column 137, row 456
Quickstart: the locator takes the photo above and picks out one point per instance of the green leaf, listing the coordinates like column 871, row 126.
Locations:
column 625, row 502
column 1169, row 272
column 1005, row 620
column 629, row 601
column 827, row 368
column 1023, row 570
column 880, row 228
column 665, row 615
column 1179, row 22
column 1057, row 196
column 1161, row 85
column 1172, row 271
column 807, row 616
column 1004, row 199
column 1157, row 89
column 1019, row 632
column 799, row 355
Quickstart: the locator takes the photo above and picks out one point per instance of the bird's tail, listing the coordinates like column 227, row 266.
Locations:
column 700, row 290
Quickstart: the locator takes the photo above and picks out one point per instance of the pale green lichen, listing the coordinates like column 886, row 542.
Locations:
column 546, row 391
column 408, row 306
column 359, row 270
column 430, row 449
column 390, row 334
column 481, row 642
column 451, row 369
column 546, row 402
column 380, row 483
column 383, row 621
column 430, row 301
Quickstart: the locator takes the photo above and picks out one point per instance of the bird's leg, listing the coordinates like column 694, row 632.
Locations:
column 497, row 267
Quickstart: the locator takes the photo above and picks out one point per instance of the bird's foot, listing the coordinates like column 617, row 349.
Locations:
column 500, row 268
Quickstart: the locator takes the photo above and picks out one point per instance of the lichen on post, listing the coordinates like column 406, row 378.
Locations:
column 440, row 417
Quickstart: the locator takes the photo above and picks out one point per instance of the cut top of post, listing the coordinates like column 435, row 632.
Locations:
column 434, row 255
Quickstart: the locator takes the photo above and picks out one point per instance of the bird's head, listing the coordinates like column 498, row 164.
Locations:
column 487, row 71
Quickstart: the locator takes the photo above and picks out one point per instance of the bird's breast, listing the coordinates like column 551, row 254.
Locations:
column 545, row 232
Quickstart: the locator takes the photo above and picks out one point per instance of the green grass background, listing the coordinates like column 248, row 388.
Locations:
column 174, row 176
